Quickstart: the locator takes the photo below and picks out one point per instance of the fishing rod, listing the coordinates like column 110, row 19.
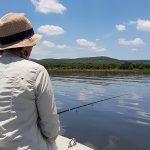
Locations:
column 106, row 99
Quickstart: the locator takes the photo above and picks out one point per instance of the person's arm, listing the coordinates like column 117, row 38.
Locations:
column 46, row 107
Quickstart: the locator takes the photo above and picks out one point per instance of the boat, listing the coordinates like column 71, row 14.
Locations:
column 64, row 143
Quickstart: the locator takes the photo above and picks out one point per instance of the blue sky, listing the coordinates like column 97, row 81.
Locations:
column 87, row 28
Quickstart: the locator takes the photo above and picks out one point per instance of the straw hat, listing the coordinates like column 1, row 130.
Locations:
column 16, row 31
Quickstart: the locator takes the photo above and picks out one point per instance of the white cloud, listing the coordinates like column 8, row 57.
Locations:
column 48, row 6
column 98, row 49
column 143, row 25
column 134, row 49
column 89, row 45
column 86, row 43
column 132, row 22
column 51, row 30
column 62, row 46
column 136, row 41
column 39, row 53
column 49, row 44
column 53, row 45
column 120, row 27
column 123, row 41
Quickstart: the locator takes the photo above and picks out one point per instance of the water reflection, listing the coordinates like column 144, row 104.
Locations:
column 143, row 115
column 112, row 143
column 134, row 104
column 119, row 124
column 136, row 96
column 89, row 93
column 138, row 122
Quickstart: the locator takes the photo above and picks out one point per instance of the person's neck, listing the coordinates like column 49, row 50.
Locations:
column 12, row 52
column 17, row 53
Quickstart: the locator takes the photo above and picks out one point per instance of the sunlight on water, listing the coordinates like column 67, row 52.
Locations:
column 122, row 123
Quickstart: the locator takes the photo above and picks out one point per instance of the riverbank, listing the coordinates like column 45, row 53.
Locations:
column 91, row 72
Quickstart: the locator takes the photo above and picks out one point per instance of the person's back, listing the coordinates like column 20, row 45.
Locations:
column 28, row 115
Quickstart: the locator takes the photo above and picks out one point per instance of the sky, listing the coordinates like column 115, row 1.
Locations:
column 87, row 28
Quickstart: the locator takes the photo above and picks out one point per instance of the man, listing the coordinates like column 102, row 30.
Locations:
column 28, row 114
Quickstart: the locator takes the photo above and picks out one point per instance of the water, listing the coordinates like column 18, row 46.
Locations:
column 119, row 124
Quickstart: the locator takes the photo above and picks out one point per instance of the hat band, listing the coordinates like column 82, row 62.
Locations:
column 16, row 37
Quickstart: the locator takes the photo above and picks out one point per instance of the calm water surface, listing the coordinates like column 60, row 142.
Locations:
column 118, row 124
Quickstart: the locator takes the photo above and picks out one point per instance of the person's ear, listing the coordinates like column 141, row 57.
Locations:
column 1, row 52
column 26, row 53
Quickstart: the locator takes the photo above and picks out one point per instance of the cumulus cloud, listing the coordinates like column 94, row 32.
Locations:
column 53, row 45
column 84, row 42
column 143, row 25
column 89, row 45
column 48, row 6
column 49, row 44
column 135, row 42
column 120, row 27
column 51, row 30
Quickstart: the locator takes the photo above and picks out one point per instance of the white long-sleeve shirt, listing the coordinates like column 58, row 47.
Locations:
column 28, row 114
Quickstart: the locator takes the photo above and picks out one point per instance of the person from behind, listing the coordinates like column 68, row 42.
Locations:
column 28, row 113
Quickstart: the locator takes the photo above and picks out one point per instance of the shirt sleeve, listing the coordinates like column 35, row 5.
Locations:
column 48, row 120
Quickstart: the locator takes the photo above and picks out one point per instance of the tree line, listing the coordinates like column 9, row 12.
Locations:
column 90, row 66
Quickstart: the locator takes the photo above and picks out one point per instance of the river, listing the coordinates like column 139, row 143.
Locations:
column 121, row 123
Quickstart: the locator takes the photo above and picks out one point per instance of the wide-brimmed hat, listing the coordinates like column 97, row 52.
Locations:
column 16, row 31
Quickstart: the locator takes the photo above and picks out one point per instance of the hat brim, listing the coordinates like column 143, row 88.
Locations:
column 23, row 43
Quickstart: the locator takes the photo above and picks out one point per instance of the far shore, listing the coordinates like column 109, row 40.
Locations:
column 101, row 70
